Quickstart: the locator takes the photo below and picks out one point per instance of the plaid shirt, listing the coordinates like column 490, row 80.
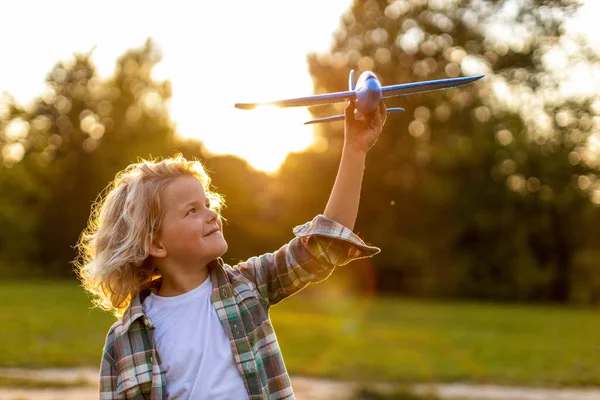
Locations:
column 241, row 295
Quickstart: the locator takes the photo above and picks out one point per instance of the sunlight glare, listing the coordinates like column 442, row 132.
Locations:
column 263, row 136
column 246, row 55
column 278, row 131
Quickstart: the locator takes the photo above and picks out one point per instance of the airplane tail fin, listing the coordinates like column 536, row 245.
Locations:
column 351, row 81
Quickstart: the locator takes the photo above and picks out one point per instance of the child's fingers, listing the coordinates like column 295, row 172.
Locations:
column 384, row 112
column 378, row 120
column 375, row 119
column 382, row 108
column 349, row 111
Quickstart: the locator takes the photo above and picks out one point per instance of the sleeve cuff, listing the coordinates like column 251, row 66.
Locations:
column 351, row 245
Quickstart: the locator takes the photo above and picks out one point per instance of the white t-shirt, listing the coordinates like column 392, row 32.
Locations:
column 194, row 349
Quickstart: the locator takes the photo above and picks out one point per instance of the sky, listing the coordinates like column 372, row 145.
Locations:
column 261, row 44
column 214, row 53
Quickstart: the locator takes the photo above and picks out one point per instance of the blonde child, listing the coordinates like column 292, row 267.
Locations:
column 191, row 326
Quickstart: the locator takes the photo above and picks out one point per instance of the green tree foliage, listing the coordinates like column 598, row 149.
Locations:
column 59, row 154
column 69, row 144
column 484, row 190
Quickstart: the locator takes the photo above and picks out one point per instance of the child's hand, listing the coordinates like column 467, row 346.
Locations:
column 362, row 134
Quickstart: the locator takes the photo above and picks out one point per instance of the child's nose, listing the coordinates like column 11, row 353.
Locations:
column 213, row 215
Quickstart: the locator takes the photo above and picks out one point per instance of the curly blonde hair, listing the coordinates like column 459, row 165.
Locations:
column 114, row 261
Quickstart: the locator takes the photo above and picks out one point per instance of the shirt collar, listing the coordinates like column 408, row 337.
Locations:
column 135, row 309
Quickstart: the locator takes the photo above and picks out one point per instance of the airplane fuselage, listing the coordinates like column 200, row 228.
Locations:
column 368, row 93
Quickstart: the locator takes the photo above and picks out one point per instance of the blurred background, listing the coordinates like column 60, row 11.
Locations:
column 484, row 199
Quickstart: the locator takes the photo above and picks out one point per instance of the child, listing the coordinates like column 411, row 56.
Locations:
column 192, row 327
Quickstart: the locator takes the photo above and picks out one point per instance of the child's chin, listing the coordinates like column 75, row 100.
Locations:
column 224, row 248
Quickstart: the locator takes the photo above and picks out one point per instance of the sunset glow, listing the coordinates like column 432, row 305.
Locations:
column 215, row 55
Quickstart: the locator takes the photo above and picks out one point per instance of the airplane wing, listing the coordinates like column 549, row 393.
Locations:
column 418, row 87
column 315, row 100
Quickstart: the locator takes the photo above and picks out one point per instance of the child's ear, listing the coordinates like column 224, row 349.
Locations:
column 157, row 250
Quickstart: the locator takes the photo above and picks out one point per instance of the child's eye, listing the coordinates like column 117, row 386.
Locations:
column 192, row 210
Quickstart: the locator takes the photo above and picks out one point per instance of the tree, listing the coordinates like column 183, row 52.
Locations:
column 59, row 155
column 70, row 144
column 477, row 198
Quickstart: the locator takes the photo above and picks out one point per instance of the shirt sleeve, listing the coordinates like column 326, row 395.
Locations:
column 108, row 375
column 311, row 256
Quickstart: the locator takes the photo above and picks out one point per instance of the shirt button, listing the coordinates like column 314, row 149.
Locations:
column 224, row 293
column 131, row 379
column 236, row 330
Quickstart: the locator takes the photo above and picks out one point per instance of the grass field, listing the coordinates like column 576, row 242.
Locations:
column 325, row 333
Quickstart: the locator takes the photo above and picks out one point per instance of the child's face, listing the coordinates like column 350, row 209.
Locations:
column 187, row 223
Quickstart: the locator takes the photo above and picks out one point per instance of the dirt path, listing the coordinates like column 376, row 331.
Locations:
column 305, row 388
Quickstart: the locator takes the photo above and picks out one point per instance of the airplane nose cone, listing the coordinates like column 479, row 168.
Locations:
column 368, row 96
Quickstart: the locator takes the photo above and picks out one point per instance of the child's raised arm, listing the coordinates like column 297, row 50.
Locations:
column 328, row 240
column 359, row 137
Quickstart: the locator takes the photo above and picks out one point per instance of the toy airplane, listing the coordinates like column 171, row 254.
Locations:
column 367, row 94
